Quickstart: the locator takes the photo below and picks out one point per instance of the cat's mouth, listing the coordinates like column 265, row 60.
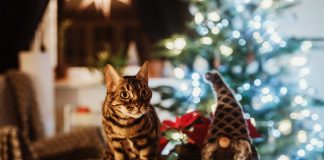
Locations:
column 134, row 115
column 137, row 115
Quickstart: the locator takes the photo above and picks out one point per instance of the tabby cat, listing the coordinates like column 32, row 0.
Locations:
column 130, row 122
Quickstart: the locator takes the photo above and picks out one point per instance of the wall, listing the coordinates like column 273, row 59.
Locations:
column 309, row 22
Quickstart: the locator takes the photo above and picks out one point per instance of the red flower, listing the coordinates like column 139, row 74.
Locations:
column 181, row 123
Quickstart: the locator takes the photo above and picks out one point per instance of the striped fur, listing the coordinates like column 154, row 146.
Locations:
column 130, row 122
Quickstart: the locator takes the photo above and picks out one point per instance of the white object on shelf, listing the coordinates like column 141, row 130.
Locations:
column 74, row 119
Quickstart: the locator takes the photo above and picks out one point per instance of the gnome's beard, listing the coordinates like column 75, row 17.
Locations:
column 242, row 150
column 238, row 150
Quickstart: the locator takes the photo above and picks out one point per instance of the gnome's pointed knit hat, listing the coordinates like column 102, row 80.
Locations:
column 228, row 118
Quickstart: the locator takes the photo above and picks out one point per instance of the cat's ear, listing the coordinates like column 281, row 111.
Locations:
column 111, row 76
column 143, row 72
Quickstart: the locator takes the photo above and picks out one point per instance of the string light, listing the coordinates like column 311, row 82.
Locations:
column 180, row 43
column 196, row 92
column 195, row 76
column 238, row 97
column 299, row 100
column 294, row 115
column 283, row 44
column 276, row 133
column 206, row 40
column 314, row 116
column 317, row 128
column 246, row 86
column 270, row 30
column 195, row 83
column 267, row 99
column 298, row 61
column 283, row 90
column 225, row 22
column 257, row 18
column 225, row 50
column 210, row 24
column 285, row 127
column 236, row 34
column 305, row 46
column 301, row 153
column 184, row 87
column 257, row 82
column 255, row 25
column 314, row 141
column 239, row 8
column 276, row 38
column 169, row 45
column 256, row 35
column 199, row 18
column 265, row 4
column 303, row 84
column 196, row 100
column 215, row 30
column 219, row 25
column 305, row 113
column 265, row 90
column 270, row 123
column 246, row 116
column 214, row 16
column 302, row 136
column 242, row 42
column 304, row 71
column 283, row 157
column 178, row 73
column 266, row 47
column 309, row 147
column 320, row 144
column 202, row 30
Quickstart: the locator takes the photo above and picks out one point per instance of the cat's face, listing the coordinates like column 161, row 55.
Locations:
column 129, row 95
column 133, row 97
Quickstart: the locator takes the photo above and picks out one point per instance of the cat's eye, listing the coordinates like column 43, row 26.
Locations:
column 124, row 94
column 144, row 93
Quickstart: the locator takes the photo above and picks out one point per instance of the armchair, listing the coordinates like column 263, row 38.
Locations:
column 22, row 132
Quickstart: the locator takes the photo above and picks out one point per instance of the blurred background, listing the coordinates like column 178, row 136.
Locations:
column 53, row 53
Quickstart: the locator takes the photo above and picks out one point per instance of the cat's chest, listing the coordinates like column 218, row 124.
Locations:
column 124, row 128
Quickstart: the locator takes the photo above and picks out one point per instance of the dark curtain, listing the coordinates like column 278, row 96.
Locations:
column 18, row 22
column 162, row 18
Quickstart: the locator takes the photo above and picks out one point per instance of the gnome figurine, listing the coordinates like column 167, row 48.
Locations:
column 228, row 137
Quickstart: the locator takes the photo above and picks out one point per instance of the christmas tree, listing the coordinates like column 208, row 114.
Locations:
column 265, row 68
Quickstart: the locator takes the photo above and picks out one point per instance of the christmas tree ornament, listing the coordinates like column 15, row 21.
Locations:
column 228, row 137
